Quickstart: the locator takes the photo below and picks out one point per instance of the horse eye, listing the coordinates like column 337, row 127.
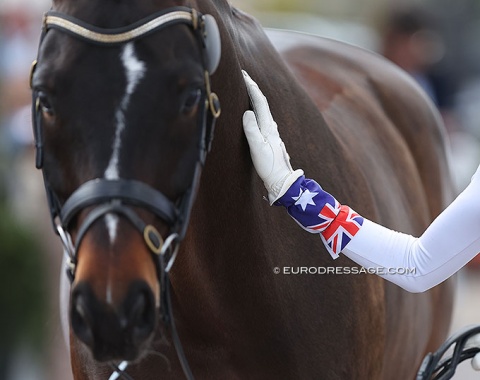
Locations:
column 45, row 104
column 191, row 101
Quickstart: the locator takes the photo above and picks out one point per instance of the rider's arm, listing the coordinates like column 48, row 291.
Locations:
column 451, row 241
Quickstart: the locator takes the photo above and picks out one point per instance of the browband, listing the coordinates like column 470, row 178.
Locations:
column 79, row 28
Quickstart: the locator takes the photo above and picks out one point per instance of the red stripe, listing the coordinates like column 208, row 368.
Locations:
column 341, row 220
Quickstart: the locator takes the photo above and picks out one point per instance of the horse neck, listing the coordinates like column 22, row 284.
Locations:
column 229, row 185
column 231, row 229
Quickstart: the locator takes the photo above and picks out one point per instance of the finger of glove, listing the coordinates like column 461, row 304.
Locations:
column 251, row 129
column 476, row 362
column 260, row 150
column 260, row 105
column 266, row 152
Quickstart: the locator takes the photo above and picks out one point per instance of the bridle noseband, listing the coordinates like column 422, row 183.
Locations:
column 107, row 196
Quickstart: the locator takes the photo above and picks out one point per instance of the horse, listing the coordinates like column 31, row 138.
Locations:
column 166, row 243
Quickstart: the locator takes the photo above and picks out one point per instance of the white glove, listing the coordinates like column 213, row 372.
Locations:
column 267, row 149
column 476, row 359
column 476, row 362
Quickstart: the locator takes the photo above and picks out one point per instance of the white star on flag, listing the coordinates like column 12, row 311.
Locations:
column 305, row 198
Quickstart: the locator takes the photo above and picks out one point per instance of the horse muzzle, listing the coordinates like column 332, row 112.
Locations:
column 114, row 332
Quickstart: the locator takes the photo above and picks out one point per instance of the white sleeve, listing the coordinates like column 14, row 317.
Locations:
column 449, row 243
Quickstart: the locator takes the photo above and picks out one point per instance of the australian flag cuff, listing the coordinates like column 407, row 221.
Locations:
column 316, row 211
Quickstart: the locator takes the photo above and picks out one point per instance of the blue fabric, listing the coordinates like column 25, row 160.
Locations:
column 311, row 206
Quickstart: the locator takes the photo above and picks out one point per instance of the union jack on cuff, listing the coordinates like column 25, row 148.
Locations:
column 318, row 212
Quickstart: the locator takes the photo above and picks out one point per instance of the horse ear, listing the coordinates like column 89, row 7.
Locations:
column 213, row 45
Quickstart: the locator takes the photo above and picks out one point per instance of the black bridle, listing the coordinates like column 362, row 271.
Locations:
column 442, row 364
column 116, row 196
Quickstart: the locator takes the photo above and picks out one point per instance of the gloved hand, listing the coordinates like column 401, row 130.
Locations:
column 267, row 149
column 476, row 362
column 476, row 358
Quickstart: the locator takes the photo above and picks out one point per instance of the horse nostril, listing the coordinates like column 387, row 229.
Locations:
column 80, row 318
column 139, row 312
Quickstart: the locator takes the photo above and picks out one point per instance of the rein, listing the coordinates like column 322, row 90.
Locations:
column 117, row 196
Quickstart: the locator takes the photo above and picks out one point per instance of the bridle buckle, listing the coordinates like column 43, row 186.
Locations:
column 153, row 239
column 171, row 246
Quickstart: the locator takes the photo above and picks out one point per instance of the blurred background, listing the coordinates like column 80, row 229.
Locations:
column 436, row 41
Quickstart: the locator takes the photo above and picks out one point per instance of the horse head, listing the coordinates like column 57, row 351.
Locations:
column 123, row 116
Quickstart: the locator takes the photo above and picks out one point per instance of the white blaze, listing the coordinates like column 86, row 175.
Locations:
column 134, row 72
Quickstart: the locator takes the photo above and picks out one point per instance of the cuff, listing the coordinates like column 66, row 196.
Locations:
column 317, row 211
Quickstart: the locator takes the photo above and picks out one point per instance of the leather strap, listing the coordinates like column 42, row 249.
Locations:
column 80, row 29
column 131, row 192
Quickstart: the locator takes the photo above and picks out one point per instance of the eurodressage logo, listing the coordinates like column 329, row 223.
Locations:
column 380, row 271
